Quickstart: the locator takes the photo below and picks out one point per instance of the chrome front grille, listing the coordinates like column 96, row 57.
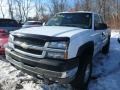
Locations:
column 31, row 41
column 29, row 46
column 28, row 50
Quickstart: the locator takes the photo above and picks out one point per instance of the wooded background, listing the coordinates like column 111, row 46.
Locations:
column 21, row 9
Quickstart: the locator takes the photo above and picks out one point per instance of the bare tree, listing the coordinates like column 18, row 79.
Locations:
column 40, row 9
column 62, row 5
column 1, row 8
column 118, row 13
column 10, row 8
column 103, row 4
column 18, row 9
column 108, row 8
column 22, row 8
column 26, row 7
column 77, row 5
column 58, row 6
column 54, row 6
column 87, row 5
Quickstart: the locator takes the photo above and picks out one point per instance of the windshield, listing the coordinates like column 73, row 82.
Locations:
column 82, row 20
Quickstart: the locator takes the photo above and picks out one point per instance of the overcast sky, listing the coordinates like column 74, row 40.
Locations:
column 5, row 10
column 32, row 14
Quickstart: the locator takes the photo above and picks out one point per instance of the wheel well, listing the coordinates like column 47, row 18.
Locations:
column 84, row 59
column 86, row 48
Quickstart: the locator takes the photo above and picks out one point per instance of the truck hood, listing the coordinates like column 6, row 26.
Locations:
column 57, row 31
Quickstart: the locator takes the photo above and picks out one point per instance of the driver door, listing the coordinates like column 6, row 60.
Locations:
column 100, row 34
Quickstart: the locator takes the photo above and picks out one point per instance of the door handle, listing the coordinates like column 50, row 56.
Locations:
column 103, row 33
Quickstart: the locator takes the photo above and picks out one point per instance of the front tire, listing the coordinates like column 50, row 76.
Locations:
column 119, row 39
column 105, row 49
column 84, row 72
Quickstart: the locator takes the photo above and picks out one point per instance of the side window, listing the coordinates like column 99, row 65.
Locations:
column 99, row 23
column 97, row 19
column 102, row 20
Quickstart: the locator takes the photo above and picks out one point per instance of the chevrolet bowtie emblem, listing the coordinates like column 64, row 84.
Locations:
column 24, row 45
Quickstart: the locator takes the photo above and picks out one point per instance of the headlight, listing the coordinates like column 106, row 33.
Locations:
column 55, row 55
column 56, row 46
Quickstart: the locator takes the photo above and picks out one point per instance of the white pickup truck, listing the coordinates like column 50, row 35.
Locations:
column 61, row 51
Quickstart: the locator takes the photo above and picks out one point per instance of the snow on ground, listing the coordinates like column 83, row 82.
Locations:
column 105, row 73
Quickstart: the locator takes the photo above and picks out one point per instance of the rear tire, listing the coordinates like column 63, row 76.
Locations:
column 82, row 78
column 105, row 49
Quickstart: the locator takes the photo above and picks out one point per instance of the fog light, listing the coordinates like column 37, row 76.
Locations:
column 55, row 55
column 69, row 73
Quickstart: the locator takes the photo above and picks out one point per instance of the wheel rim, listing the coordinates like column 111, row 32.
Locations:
column 87, row 73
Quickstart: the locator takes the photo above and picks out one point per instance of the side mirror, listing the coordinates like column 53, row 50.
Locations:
column 101, row 26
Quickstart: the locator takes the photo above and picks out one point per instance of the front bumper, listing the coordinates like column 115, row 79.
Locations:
column 47, row 69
